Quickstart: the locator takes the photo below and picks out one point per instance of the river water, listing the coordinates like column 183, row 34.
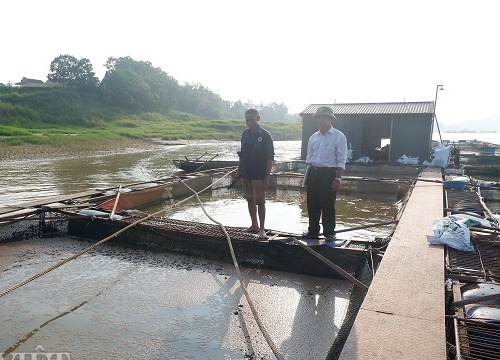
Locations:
column 286, row 209
column 492, row 137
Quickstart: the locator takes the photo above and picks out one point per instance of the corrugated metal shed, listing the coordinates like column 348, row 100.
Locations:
column 407, row 126
column 422, row 107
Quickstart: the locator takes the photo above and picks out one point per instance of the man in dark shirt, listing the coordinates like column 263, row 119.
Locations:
column 256, row 160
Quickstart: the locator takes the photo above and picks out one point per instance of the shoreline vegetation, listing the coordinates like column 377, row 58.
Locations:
column 39, row 122
column 39, row 143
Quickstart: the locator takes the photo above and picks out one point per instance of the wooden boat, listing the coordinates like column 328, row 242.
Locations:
column 197, row 165
column 138, row 197
column 130, row 196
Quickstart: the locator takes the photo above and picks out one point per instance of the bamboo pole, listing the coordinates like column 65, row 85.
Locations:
column 367, row 226
column 112, row 214
column 337, row 268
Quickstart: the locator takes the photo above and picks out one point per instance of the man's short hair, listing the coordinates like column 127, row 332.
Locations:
column 252, row 112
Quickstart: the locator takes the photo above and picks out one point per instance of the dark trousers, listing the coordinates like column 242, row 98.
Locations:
column 321, row 200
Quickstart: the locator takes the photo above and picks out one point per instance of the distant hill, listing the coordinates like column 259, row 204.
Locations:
column 485, row 125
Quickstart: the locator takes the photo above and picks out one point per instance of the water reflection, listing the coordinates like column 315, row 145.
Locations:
column 287, row 211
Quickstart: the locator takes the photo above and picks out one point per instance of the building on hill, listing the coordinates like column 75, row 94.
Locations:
column 34, row 82
column 404, row 127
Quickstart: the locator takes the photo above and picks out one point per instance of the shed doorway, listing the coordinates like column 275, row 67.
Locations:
column 376, row 138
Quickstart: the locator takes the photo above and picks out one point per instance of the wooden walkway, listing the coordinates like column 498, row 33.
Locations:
column 403, row 314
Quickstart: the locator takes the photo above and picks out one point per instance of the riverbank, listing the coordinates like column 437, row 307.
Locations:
column 79, row 148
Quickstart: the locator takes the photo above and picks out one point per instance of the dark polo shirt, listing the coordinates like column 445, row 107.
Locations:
column 256, row 149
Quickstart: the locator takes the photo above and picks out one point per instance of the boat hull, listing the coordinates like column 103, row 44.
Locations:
column 192, row 165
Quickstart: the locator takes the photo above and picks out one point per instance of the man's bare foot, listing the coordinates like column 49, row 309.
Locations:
column 262, row 235
column 252, row 229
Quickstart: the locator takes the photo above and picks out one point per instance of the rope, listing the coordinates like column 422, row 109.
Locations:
column 240, row 279
column 485, row 276
column 87, row 249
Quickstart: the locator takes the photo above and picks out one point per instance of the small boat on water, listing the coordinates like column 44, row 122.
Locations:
column 200, row 165
column 487, row 150
column 197, row 165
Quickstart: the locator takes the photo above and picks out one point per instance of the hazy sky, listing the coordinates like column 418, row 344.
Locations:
column 295, row 52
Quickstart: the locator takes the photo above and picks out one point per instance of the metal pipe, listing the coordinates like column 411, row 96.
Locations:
column 457, row 338
column 434, row 112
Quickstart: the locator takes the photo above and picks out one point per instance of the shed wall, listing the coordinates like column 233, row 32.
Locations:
column 409, row 134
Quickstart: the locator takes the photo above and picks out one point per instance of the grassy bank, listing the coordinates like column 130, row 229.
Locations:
column 124, row 134
column 42, row 122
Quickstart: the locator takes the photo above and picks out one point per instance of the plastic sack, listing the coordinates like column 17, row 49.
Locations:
column 349, row 153
column 408, row 160
column 441, row 156
column 363, row 159
column 470, row 220
column 454, row 232
column 464, row 179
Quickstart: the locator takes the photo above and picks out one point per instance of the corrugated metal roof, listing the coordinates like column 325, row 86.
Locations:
column 422, row 107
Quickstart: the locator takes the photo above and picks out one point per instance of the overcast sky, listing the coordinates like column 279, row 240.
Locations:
column 294, row 52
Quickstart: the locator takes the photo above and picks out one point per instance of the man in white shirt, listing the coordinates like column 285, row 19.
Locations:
column 326, row 157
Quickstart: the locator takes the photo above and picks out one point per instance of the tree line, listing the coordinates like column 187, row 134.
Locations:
column 139, row 87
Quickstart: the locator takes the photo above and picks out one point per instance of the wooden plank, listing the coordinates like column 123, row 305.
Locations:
column 402, row 316
column 48, row 200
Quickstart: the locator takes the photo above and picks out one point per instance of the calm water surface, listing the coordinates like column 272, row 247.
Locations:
column 26, row 180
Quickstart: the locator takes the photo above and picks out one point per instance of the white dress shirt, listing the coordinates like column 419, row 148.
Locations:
column 328, row 150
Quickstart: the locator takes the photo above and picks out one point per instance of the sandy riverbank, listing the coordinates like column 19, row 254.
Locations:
column 79, row 149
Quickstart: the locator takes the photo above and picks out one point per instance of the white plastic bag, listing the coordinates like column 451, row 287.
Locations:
column 363, row 159
column 408, row 160
column 470, row 220
column 452, row 232
column 349, row 153
column 441, row 156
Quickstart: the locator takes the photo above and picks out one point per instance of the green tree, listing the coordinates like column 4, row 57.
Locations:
column 273, row 112
column 69, row 71
column 138, row 85
column 200, row 100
